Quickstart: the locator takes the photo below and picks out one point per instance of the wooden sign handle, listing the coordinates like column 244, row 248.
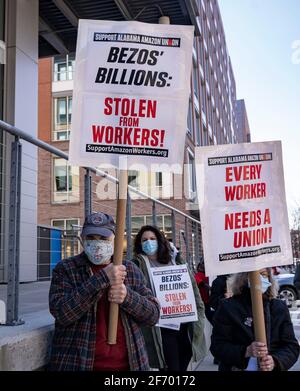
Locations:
column 118, row 251
column 257, row 307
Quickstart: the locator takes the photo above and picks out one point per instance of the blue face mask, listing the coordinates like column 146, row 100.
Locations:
column 150, row 247
column 265, row 283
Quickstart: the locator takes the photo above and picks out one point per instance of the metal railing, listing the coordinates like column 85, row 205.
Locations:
column 185, row 230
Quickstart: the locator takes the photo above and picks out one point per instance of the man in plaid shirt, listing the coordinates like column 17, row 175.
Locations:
column 81, row 289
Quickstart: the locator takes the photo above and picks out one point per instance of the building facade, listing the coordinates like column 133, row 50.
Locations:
column 211, row 120
column 243, row 129
column 295, row 239
column 19, row 25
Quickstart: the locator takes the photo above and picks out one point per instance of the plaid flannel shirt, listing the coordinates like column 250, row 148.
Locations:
column 73, row 298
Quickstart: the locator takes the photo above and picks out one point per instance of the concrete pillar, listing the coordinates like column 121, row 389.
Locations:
column 20, row 109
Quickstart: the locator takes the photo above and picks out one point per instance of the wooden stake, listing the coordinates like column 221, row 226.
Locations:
column 118, row 251
column 257, row 307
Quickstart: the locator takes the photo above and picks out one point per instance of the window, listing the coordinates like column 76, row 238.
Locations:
column 62, row 118
column 66, row 181
column 190, row 119
column 158, row 179
column 164, row 223
column 64, row 67
column 195, row 80
column 205, row 136
column 191, row 176
column 201, row 53
column 133, row 177
column 203, row 99
column 136, row 223
column 198, row 129
column 70, row 243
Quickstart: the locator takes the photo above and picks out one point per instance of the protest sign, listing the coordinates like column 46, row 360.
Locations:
column 174, row 292
column 243, row 209
column 131, row 79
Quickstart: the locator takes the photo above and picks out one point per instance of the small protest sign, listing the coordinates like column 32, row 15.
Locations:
column 174, row 291
column 242, row 207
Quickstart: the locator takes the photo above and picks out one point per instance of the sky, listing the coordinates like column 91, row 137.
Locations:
column 263, row 41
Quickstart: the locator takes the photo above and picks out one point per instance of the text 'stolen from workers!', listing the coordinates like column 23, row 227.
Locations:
column 131, row 93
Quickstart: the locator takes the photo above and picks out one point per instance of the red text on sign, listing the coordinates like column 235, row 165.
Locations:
column 128, row 136
column 243, row 173
column 125, row 107
column 245, row 192
column 247, row 219
column 252, row 238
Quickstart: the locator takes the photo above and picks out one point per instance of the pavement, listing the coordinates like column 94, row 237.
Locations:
column 33, row 296
column 33, row 308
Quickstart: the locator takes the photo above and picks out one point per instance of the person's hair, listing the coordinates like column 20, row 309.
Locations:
column 164, row 248
column 237, row 282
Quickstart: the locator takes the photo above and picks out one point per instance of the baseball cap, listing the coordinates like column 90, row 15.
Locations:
column 98, row 224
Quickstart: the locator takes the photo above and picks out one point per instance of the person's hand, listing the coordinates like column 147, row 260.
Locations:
column 266, row 363
column 116, row 274
column 257, row 349
column 117, row 293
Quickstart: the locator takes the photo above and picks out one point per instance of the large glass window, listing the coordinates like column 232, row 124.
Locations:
column 64, row 67
column 70, row 243
column 62, row 118
column 65, row 181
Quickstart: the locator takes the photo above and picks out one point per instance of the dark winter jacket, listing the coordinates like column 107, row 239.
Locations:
column 233, row 332
column 218, row 290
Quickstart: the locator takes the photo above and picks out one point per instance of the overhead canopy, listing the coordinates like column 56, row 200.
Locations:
column 58, row 21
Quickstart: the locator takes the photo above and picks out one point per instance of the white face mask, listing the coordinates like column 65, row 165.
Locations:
column 98, row 251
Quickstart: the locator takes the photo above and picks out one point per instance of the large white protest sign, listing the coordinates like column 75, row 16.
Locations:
column 131, row 93
column 175, row 294
column 243, row 209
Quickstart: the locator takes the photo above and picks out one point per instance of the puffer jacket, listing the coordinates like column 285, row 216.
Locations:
column 233, row 331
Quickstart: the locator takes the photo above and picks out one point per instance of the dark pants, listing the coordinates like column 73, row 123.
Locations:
column 177, row 348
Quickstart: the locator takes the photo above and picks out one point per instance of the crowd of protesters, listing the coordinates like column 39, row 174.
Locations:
column 83, row 287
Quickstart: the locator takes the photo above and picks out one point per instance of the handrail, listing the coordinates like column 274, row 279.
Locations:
column 47, row 147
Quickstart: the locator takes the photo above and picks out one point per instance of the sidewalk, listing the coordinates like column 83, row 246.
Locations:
column 205, row 365
column 33, row 296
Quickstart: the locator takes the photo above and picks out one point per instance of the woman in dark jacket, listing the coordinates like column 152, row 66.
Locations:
column 233, row 342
